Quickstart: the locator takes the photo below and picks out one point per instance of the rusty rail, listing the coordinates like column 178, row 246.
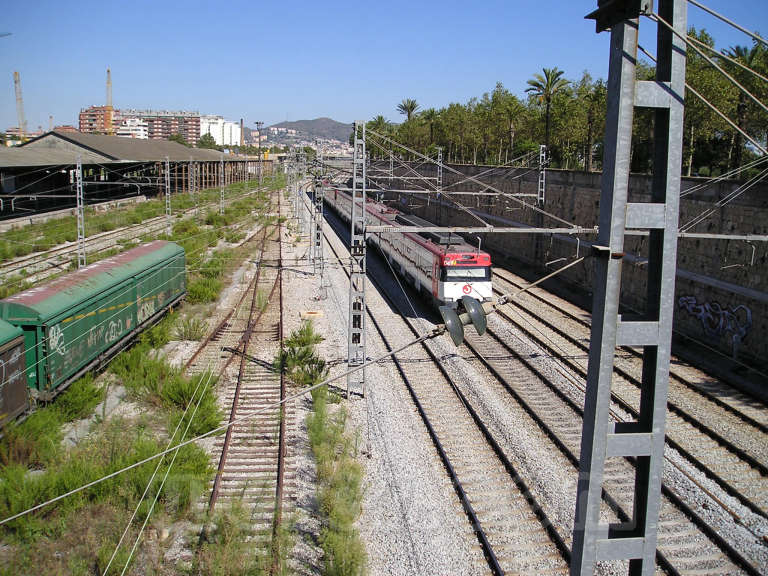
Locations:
column 282, row 449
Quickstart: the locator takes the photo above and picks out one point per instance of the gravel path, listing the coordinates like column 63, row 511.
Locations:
column 412, row 522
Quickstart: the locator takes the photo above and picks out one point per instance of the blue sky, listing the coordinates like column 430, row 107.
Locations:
column 275, row 61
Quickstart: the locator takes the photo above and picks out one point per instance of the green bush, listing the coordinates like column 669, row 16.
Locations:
column 34, row 442
column 79, row 400
column 160, row 334
column 191, row 328
column 203, row 290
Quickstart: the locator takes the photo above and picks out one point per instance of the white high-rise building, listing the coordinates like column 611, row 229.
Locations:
column 133, row 128
column 225, row 133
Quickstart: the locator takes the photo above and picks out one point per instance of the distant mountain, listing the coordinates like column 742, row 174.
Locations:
column 319, row 128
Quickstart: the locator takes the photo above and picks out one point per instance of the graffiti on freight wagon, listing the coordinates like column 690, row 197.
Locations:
column 719, row 322
column 11, row 369
column 56, row 340
column 107, row 333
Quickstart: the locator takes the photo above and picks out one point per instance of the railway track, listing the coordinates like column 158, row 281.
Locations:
column 685, row 545
column 726, row 440
column 514, row 532
column 40, row 265
column 253, row 467
column 688, row 543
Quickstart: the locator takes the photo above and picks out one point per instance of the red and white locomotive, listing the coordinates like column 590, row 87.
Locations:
column 437, row 263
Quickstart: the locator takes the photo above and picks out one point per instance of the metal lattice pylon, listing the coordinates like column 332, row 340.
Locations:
column 633, row 540
column 356, row 323
column 221, row 185
column 192, row 184
column 80, row 213
column 317, row 238
column 168, row 227
column 542, row 188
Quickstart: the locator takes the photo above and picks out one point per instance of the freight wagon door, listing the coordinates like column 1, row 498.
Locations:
column 34, row 368
column 13, row 381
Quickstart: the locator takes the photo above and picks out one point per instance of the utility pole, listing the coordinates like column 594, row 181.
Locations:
column 356, row 322
column 168, row 227
column 634, row 540
column 439, row 170
column 259, row 125
column 221, row 185
column 80, row 201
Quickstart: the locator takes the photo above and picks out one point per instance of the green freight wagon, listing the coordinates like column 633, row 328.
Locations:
column 78, row 321
column 13, row 384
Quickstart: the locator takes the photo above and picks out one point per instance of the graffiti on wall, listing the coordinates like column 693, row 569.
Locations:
column 719, row 322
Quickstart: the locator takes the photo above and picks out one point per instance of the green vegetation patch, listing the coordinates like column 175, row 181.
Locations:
column 78, row 534
column 339, row 475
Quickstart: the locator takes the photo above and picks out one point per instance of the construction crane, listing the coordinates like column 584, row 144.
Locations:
column 19, row 106
column 108, row 112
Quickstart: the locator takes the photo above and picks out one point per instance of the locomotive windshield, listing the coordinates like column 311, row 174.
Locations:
column 466, row 274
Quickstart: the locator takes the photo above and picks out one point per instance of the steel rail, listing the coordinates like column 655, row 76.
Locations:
column 244, row 341
column 223, row 323
column 672, row 406
column 38, row 258
column 708, row 395
column 455, row 481
column 732, row 553
column 282, row 445
column 519, row 482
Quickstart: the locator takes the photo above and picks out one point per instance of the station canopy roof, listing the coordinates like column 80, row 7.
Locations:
column 54, row 148
column 22, row 156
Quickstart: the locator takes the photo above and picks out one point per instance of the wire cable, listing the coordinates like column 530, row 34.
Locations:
column 726, row 175
column 154, row 474
column 755, row 37
column 216, row 430
column 727, row 58
column 724, row 202
column 715, row 109
column 162, row 482
column 473, row 179
column 656, row 18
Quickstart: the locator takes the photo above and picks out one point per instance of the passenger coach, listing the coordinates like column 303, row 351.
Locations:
column 441, row 264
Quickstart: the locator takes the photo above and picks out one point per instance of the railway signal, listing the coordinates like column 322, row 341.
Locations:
column 476, row 313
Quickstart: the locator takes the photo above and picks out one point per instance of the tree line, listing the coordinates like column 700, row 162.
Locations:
column 569, row 116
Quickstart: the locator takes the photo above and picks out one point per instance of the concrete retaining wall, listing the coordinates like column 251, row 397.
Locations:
column 722, row 285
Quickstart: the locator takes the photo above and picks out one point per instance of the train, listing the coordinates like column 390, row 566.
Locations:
column 441, row 265
column 53, row 333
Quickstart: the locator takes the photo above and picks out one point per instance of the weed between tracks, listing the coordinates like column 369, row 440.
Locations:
column 78, row 534
column 46, row 235
column 194, row 236
column 339, row 475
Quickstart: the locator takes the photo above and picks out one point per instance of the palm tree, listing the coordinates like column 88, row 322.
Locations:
column 379, row 124
column 430, row 118
column 545, row 87
column 408, row 107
